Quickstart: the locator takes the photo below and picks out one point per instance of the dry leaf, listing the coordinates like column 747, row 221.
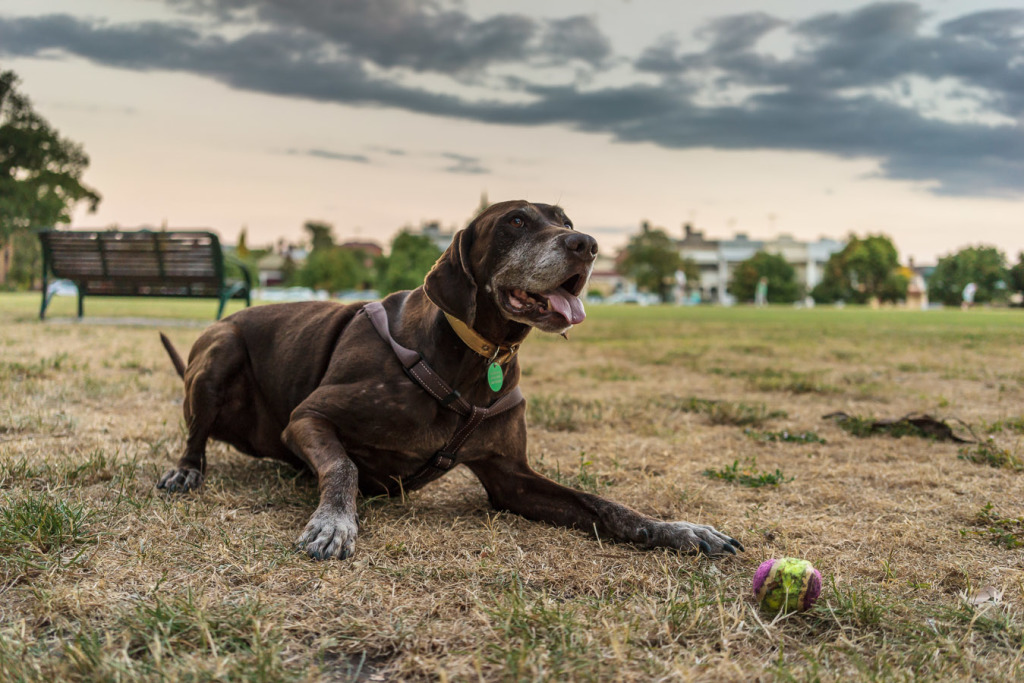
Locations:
column 985, row 594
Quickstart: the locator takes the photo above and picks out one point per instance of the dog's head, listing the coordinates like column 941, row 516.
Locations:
column 525, row 259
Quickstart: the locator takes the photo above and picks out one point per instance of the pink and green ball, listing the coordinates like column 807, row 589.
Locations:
column 787, row 585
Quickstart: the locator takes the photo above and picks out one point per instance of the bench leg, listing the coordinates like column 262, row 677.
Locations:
column 81, row 295
column 46, row 299
column 47, row 296
column 229, row 293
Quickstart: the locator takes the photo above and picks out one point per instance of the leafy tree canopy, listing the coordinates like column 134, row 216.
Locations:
column 984, row 266
column 865, row 268
column 321, row 234
column 1016, row 275
column 242, row 249
column 782, row 284
column 40, row 172
column 333, row 269
column 411, row 257
column 691, row 270
column 652, row 259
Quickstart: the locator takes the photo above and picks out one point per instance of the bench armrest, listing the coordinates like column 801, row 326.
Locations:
column 241, row 265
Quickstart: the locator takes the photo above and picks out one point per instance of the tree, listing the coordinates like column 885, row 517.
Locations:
column 411, row 257
column 652, row 259
column 40, row 172
column 242, row 249
column 321, row 234
column 1015, row 281
column 26, row 261
column 328, row 266
column 782, row 285
column 333, row 269
column 984, row 266
column 691, row 270
column 865, row 268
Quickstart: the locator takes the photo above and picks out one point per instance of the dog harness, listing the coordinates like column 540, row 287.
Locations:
column 422, row 374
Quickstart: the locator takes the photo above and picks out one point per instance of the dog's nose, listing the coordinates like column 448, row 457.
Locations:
column 584, row 246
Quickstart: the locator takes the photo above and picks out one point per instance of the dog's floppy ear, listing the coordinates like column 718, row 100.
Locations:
column 450, row 283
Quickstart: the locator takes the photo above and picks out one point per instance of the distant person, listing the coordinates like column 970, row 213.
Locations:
column 970, row 289
column 761, row 292
column 679, row 291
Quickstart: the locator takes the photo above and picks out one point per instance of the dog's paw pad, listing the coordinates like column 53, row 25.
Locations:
column 700, row 538
column 180, row 480
column 329, row 535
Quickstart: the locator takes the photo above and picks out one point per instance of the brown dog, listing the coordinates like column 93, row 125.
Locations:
column 319, row 384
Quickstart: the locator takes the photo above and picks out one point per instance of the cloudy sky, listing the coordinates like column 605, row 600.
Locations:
column 757, row 116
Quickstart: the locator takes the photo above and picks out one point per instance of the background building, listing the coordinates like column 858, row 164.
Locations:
column 717, row 259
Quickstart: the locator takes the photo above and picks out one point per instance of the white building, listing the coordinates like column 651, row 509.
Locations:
column 718, row 259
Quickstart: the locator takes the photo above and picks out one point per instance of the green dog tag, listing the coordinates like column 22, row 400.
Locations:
column 495, row 377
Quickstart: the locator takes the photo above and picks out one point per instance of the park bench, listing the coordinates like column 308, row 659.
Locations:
column 164, row 263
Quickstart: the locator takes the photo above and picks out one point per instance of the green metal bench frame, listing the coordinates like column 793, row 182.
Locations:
column 163, row 263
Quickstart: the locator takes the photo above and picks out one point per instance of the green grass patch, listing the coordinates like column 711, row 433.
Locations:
column 583, row 479
column 185, row 624
column 988, row 453
column 790, row 381
column 563, row 413
column 783, row 436
column 774, row 379
column 20, row 371
column 62, row 471
column 540, row 638
column 1005, row 532
column 176, row 638
column 15, row 470
column 58, row 422
column 737, row 414
column 35, row 533
column 24, row 307
column 921, row 426
column 607, row 373
column 1009, row 424
column 747, row 474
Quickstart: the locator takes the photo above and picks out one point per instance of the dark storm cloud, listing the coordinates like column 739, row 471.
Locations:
column 576, row 38
column 821, row 98
column 848, row 87
column 332, row 156
column 422, row 35
column 464, row 164
column 272, row 61
column 738, row 32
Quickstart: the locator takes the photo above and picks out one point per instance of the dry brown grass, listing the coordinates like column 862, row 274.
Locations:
column 103, row 578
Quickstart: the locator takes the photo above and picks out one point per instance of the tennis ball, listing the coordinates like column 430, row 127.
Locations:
column 786, row 585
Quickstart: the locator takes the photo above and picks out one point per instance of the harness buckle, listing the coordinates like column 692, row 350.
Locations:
column 442, row 461
column 451, row 398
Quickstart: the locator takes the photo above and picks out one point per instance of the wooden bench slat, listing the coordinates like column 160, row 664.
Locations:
column 139, row 263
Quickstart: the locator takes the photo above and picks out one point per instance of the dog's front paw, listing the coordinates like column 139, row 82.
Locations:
column 180, row 480
column 694, row 538
column 330, row 533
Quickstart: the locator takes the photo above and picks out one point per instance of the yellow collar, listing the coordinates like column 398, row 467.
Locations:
column 472, row 339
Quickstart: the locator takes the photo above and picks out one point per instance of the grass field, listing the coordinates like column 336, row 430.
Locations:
column 706, row 415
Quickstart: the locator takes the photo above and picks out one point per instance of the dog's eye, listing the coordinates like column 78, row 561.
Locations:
column 568, row 224
column 517, row 222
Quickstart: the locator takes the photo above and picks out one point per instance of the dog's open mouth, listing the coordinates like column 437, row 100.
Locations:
column 563, row 301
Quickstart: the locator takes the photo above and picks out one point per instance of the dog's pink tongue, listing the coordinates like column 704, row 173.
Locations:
column 568, row 305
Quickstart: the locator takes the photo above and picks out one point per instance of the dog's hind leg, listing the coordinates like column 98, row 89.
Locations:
column 217, row 362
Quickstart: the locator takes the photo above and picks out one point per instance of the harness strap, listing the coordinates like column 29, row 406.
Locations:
column 420, row 372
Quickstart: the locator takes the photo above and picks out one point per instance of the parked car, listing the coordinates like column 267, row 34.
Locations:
column 62, row 288
column 640, row 298
column 289, row 294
